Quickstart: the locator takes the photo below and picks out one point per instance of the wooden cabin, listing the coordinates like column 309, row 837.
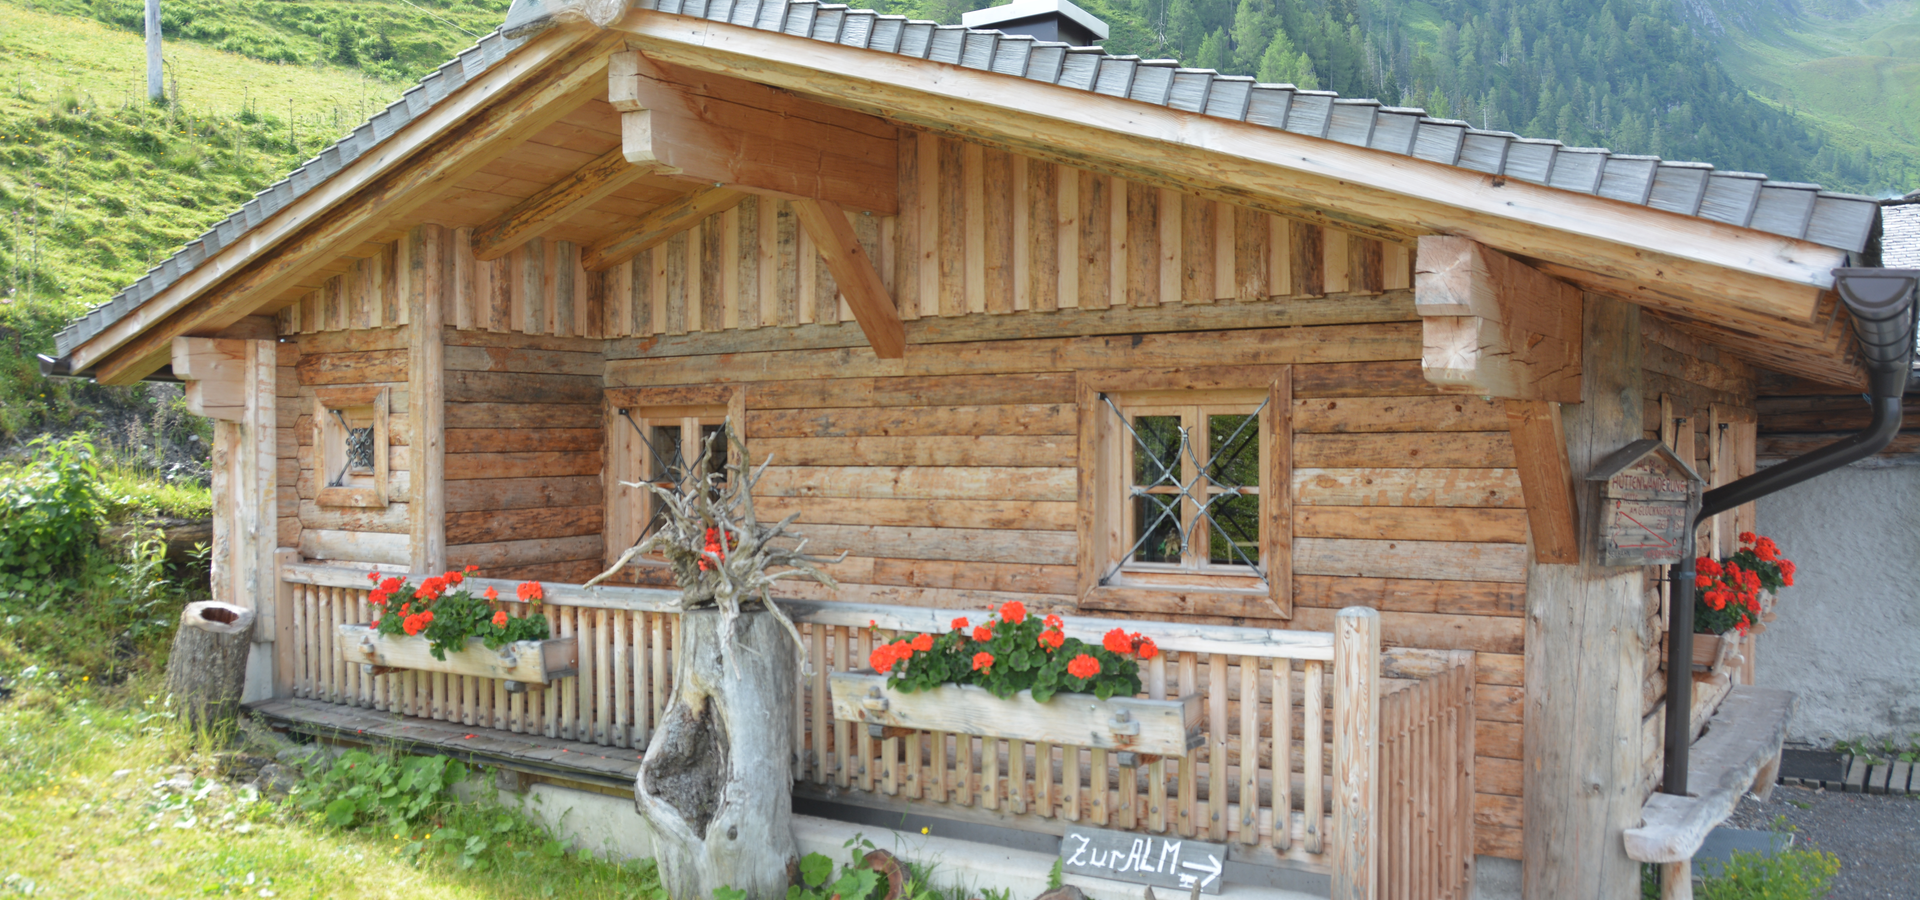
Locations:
column 960, row 287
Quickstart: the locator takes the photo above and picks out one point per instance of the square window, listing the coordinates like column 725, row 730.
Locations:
column 350, row 444
column 1184, row 492
column 666, row 443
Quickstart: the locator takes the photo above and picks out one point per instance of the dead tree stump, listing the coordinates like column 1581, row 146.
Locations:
column 716, row 785
column 208, row 667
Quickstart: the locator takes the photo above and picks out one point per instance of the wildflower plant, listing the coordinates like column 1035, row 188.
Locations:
column 1727, row 594
column 1014, row 652
column 446, row 613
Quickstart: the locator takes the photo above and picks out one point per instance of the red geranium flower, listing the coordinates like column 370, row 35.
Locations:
column 1706, row 565
column 1013, row 612
column 500, row 619
column 1083, row 666
column 471, row 569
column 882, row 659
column 1116, row 641
column 1054, row 622
column 982, row 661
column 960, row 624
column 922, row 642
column 492, row 593
column 373, row 576
column 530, row 592
column 1746, row 537
column 1052, row 638
column 1147, row 648
column 983, row 633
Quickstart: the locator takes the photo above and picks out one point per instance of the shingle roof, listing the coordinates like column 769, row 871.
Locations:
column 464, row 67
column 1803, row 211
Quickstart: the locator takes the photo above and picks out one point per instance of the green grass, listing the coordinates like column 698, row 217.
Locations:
column 1858, row 78
column 137, row 491
column 96, row 185
column 80, row 816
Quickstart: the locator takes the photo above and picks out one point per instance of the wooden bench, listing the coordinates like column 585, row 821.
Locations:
column 1739, row 751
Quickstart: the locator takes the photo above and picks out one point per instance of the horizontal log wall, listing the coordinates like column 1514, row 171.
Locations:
column 524, row 448
column 950, row 479
column 312, row 361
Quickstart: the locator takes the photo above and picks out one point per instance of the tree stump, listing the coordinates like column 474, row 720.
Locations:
column 208, row 667
column 716, row 785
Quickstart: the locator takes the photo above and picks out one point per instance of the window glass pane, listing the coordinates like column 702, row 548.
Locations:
column 1156, row 518
column 664, row 444
column 1156, row 450
column 1234, row 530
column 1233, row 450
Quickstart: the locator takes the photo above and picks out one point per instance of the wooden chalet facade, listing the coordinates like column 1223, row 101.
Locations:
column 954, row 302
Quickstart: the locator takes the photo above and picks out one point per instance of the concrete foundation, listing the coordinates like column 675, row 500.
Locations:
column 1847, row 629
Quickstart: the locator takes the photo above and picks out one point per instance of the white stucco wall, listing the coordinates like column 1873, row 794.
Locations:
column 1848, row 636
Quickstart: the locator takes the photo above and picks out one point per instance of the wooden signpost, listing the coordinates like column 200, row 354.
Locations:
column 1648, row 496
column 1143, row 859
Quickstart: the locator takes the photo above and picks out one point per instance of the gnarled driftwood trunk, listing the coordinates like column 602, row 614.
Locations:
column 208, row 667
column 715, row 786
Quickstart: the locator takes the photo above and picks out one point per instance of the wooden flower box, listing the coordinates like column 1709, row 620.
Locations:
column 1127, row 724
column 519, row 663
column 1715, row 652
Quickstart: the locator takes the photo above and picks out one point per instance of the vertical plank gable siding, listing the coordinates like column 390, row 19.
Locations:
column 949, row 475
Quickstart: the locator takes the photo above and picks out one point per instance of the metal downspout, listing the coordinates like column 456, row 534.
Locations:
column 1881, row 302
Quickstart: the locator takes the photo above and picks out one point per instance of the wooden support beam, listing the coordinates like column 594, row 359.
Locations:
column 1546, row 479
column 1586, row 653
column 535, row 87
column 1494, row 326
column 558, row 202
column 427, row 270
column 654, row 228
column 856, row 275
column 714, row 129
column 215, row 372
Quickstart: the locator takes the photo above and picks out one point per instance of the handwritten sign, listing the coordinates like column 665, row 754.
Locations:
column 1143, row 859
column 1647, row 500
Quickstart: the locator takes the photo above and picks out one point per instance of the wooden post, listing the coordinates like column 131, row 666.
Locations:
column 1356, row 754
column 1676, row 880
column 284, row 634
column 1586, row 649
column 231, row 380
column 427, row 268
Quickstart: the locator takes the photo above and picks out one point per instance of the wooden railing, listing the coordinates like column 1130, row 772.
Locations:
column 1271, row 779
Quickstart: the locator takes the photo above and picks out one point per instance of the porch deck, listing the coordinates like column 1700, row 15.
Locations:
column 1319, row 752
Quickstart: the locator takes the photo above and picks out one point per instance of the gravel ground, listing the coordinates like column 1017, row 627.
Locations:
column 1876, row 836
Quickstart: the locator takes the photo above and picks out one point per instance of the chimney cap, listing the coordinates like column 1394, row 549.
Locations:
column 1030, row 9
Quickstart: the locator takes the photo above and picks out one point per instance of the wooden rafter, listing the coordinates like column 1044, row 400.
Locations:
column 1493, row 326
column 853, row 270
column 522, row 95
column 713, row 129
column 557, row 203
column 655, row 227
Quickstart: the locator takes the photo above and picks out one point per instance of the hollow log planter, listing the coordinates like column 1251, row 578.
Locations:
column 207, row 670
column 519, row 664
column 715, row 787
column 1125, row 724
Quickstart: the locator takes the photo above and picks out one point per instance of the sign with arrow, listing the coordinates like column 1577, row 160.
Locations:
column 1144, row 859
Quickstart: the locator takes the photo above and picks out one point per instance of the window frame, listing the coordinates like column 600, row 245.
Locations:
column 1106, row 528
column 364, row 490
column 630, row 511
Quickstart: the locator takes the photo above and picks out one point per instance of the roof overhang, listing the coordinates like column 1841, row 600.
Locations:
column 1772, row 289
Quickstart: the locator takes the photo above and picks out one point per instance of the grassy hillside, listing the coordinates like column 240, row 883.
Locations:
column 96, row 185
column 1856, row 74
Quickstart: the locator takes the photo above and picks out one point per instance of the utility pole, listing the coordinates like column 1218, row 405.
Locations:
column 155, row 93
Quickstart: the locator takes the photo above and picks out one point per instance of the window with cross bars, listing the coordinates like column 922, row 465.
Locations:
column 1188, row 479
column 670, row 441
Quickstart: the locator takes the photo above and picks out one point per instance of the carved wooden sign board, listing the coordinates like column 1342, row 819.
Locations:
column 1143, row 859
column 1648, row 496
